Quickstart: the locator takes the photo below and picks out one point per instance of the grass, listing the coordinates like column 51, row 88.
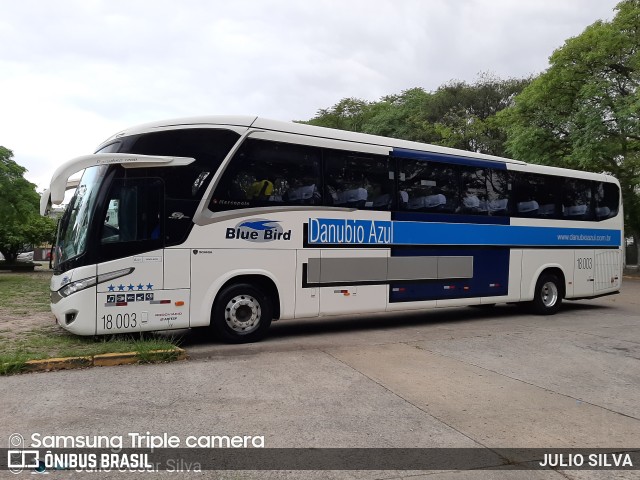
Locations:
column 26, row 294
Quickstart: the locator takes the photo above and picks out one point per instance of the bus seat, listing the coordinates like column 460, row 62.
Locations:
column 429, row 201
column 382, row 201
column 498, row 206
column 575, row 211
column 301, row 194
column 547, row 210
column 353, row 197
column 530, row 206
column 603, row 212
column 471, row 202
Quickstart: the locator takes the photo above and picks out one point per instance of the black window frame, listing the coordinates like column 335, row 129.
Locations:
column 494, row 203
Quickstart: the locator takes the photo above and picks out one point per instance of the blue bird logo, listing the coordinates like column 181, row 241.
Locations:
column 260, row 225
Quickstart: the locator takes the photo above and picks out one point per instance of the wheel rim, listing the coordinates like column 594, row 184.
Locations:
column 549, row 294
column 242, row 314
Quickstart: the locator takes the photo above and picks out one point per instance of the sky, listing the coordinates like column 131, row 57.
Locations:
column 72, row 73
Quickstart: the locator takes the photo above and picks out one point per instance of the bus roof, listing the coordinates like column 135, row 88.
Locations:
column 247, row 121
column 259, row 123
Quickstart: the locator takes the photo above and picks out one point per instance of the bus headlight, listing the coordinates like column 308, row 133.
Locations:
column 76, row 286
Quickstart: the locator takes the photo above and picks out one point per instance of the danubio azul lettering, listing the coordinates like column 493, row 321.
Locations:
column 351, row 232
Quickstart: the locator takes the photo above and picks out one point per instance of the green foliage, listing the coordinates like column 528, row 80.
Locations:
column 458, row 114
column 20, row 222
column 584, row 111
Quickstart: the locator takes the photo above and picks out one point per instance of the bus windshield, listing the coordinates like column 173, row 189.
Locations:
column 74, row 227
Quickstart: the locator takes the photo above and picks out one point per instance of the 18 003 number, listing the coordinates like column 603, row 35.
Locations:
column 585, row 263
column 121, row 320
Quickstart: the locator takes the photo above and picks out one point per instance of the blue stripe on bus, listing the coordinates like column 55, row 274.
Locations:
column 449, row 218
column 490, row 276
column 423, row 233
column 441, row 157
column 327, row 231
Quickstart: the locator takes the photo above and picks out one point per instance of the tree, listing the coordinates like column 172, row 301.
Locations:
column 464, row 115
column 457, row 114
column 347, row 114
column 20, row 221
column 584, row 111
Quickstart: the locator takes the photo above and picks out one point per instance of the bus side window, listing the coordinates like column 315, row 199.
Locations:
column 576, row 199
column 535, row 196
column 474, row 191
column 429, row 186
column 498, row 192
column 357, row 180
column 266, row 173
column 607, row 200
column 132, row 222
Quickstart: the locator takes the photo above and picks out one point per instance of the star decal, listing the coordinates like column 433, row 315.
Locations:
column 140, row 286
column 120, row 288
column 130, row 287
column 149, row 286
column 111, row 288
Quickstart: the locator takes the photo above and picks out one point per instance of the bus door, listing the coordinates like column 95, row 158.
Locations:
column 583, row 273
column 132, row 294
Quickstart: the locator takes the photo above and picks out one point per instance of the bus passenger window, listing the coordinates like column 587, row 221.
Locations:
column 357, row 180
column 429, row 187
column 474, row 191
column 607, row 200
column 498, row 192
column 576, row 199
column 536, row 196
column 266, row 173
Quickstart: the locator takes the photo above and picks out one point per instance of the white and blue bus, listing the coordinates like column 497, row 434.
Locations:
column 234, row 222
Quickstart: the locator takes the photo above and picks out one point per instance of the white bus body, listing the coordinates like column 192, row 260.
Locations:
column 233, row 221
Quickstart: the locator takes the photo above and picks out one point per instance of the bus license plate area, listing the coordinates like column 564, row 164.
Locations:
column 142, row 311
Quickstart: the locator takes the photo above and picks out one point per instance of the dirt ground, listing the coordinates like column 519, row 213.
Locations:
column 15, row 321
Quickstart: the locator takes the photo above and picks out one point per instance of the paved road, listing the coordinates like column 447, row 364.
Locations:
column 447, row 378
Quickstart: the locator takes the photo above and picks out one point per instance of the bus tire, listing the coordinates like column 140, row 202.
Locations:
column 242, row 314
column 548, row 295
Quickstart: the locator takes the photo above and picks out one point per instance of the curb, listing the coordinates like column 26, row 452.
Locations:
column 104, row 360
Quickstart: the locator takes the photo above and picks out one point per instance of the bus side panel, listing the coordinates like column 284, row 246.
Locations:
column 211, row 269
column 307, row 296
column 534, row 261
column 139, row 301
column 351, row 269
column 177, row 268
column 515, row 273
column 583, row 269
column 456, row 276
column 608, row 271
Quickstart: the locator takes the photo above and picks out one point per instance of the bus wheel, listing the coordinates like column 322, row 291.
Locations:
column 242, row 314
column 548, row 295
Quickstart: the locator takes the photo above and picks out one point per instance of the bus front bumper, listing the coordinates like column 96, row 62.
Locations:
column 77, row 312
